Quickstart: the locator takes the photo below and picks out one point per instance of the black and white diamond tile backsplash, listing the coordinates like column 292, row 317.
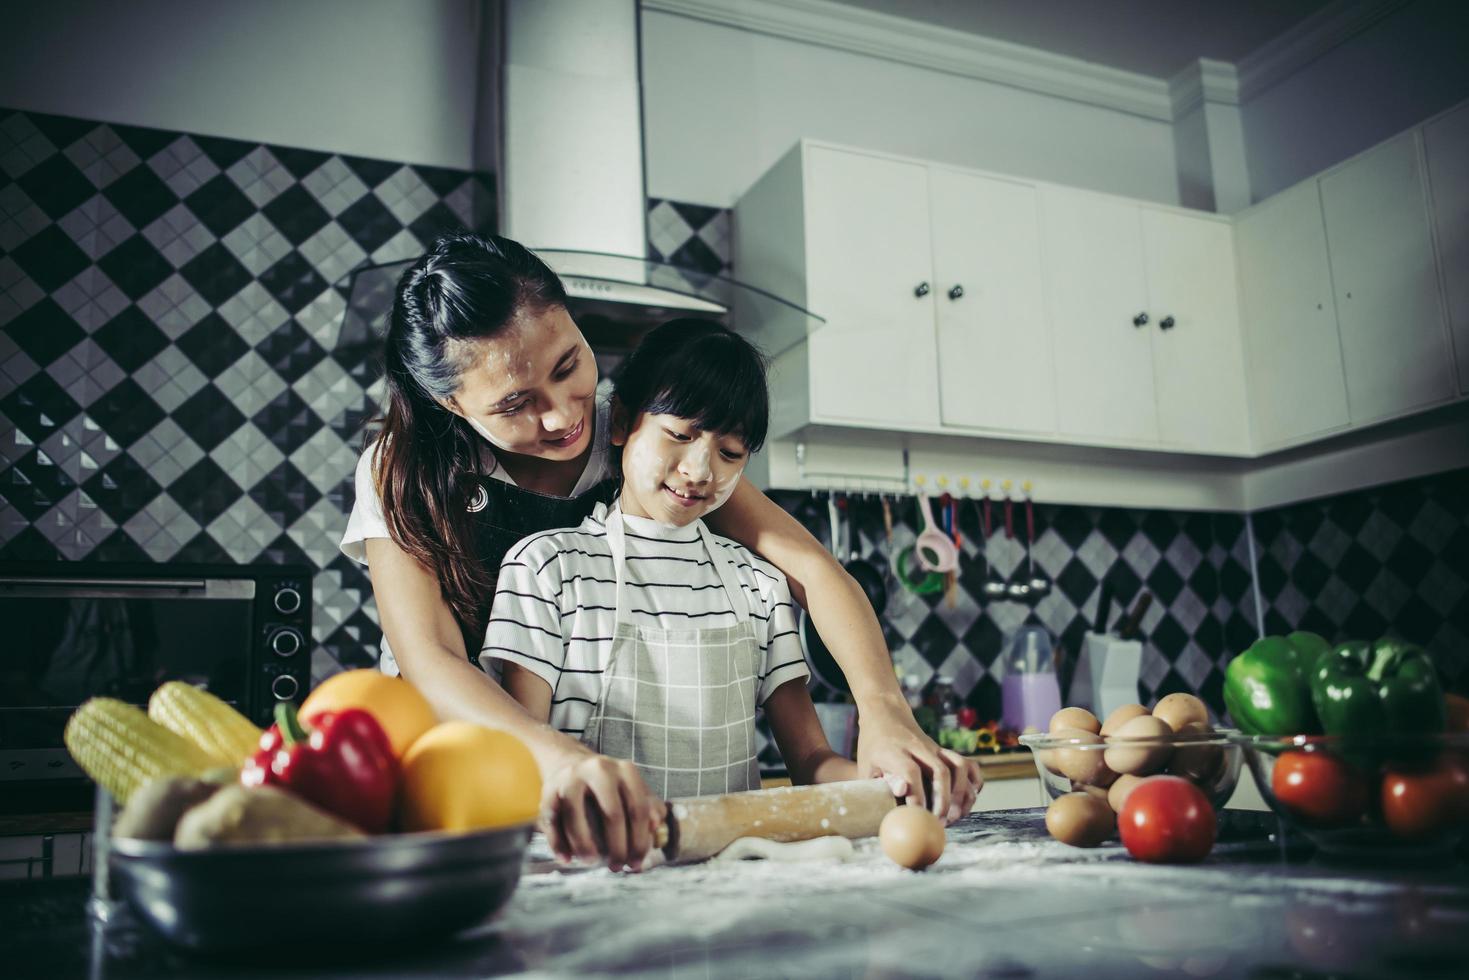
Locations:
column 172, row 382
column 1393, row 559
column 1195, row 565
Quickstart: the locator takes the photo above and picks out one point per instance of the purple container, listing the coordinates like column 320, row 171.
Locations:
column 1029, row 700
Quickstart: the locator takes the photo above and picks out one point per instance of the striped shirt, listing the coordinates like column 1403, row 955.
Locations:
column 556, row 606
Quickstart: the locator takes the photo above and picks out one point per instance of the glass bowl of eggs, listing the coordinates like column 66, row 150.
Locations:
column 1106, row 759
column 1372, row 796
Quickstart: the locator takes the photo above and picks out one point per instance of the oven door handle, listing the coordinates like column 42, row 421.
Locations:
column 40, row 586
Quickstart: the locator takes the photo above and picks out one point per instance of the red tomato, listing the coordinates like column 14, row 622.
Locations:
column 1167, row 819
column 1423, row 802
column 968, row 717
column 1319, row 789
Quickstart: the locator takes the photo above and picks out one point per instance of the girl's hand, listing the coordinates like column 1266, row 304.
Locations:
column 893, row 746
column 598, row 808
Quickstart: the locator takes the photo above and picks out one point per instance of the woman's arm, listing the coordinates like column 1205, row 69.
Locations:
column 890, row 743
column 808, row 756
column 592, row 806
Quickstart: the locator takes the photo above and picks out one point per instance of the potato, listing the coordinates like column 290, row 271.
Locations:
column 1140, row 760
column 1121, row 716
column 154, row 809
column 1180, row 709
column 1074, row 718
column 257, row 815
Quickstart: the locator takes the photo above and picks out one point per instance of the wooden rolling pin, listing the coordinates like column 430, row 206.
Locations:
column 700, row 827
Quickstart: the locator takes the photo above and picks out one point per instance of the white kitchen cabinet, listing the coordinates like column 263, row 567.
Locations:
column 1394, row 341
column 1297, row 388
column 994, row 350
column 1097, row 294
column 1446, row 147
column 1198, row 364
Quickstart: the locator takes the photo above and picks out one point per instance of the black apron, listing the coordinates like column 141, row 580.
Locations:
column 508, row 513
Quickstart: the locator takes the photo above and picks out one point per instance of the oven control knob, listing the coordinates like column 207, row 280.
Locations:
column 287, row 600
column 285, row 687
column 285, row 643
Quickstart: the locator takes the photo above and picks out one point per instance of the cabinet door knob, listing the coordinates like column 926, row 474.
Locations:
column 921, row 290
column 1166, row 323
column 1141, row 320
column 956, row 292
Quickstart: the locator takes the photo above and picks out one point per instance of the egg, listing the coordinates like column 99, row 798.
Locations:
column 1121, row 716
column 1180, row 710
column 1080, row 819
column 1075, row 718
column 1139, row 759
column 1078, row 762
column 912, row 837
column 1117, row 794
column 1199, row 764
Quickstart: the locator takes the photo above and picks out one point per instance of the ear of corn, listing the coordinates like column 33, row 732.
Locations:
column 205, row 720
column 121, row 748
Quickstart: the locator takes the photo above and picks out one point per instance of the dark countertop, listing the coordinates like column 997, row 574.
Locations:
column 1005, row 900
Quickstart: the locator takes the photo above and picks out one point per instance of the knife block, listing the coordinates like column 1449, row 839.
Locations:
column 1106, row 675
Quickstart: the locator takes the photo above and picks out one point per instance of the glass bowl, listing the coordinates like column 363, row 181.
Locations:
column 1368, row 796
column 1068, row 764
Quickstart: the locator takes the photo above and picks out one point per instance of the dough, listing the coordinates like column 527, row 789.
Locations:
column 758, row 848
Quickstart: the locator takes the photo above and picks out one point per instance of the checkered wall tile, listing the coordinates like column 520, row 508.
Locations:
column 172, row 386
column 1195, row 565
column 1394, row 559
column 694, row 236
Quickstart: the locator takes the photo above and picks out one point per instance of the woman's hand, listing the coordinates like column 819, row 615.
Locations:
column 595, row 807
column 893, row 746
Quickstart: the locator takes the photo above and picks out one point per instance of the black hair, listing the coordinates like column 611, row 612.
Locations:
column 466, row 288
column 697, row 370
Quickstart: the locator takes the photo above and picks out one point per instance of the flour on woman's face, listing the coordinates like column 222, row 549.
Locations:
column 532, row 388
column 675, row 473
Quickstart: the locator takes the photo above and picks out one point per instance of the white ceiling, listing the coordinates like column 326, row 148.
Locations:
column 1151, row 37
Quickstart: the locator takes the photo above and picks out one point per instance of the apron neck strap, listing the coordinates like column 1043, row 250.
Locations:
column 723, row 566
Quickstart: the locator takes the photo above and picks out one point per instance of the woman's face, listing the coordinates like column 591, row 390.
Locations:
column 532, row 389
column 675, row 473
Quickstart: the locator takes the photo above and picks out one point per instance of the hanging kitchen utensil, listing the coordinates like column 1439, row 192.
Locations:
column 1019, row 591
column 867, row 575
column 951, row 527
column 993, row 587
column 935, row 552
column 823, row 665
column 1039, row 584
column 887, row 518
column 912, row 576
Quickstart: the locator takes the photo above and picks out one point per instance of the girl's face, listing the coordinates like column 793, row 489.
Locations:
column 675, row 473
column 532, row 389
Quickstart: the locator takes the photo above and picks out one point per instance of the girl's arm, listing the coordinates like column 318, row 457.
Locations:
column 808, row 756
column 426, row 641
column 890, row 743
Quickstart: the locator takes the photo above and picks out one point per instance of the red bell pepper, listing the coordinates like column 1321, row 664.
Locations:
column 343, row 764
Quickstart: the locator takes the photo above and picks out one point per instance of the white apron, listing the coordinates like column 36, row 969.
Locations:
column 680, row 704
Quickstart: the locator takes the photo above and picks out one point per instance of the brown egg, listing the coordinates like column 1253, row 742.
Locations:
column 1139, row 759
column 1117, row 795
column 1100, row 792
column 912, row 837
column 1121, row 716
column 1078, row 763
column 1080, row 820
column 1180, row 710
column 1075, row 718
column 1197, row 763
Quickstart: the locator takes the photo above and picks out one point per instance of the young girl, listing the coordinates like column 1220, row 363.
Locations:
column 497, row 428
column 642, row 633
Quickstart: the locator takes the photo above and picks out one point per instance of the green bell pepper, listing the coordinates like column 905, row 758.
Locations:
column 1267, row 688
column 1377, row 688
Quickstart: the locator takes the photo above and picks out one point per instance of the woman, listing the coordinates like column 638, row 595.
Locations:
column 495, row 429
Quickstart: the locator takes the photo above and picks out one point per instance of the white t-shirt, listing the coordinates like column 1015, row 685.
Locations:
column 367, row 521
column 555, row 606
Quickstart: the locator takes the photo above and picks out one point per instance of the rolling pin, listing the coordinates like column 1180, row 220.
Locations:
column 700, row 827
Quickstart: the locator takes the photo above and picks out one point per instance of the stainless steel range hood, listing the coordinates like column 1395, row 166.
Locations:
column 571, row 179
